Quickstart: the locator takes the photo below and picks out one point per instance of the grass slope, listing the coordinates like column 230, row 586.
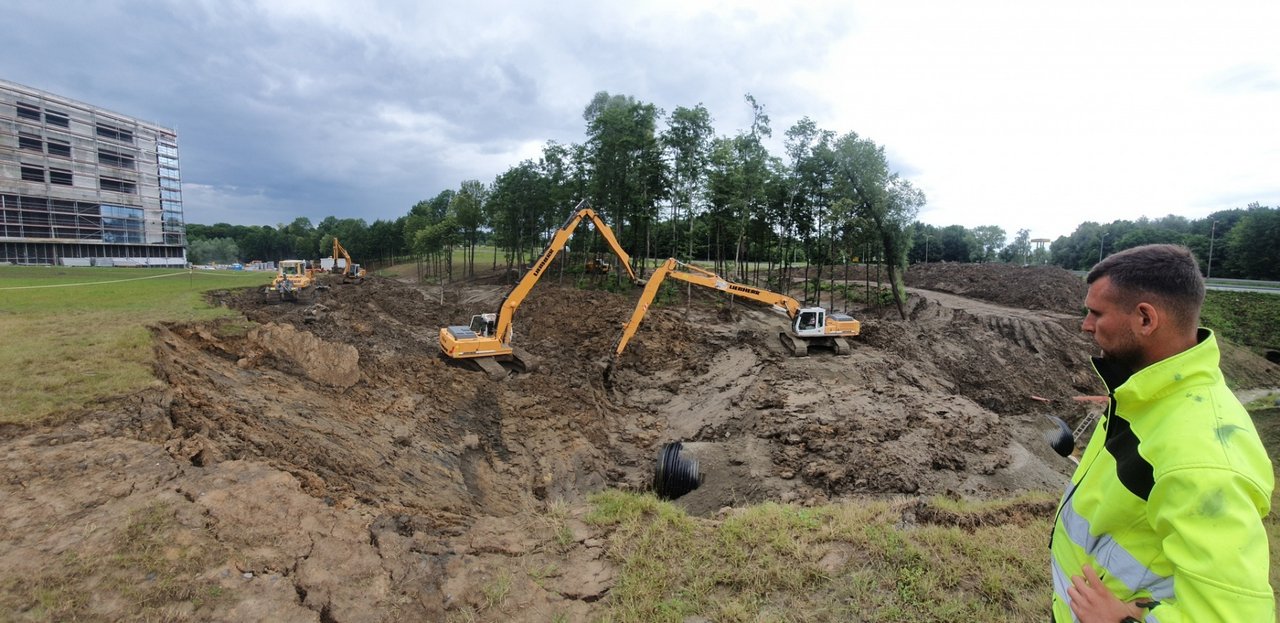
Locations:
column 1248, row 318
column 73, row 336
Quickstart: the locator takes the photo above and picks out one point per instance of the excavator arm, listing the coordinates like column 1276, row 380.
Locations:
column 809, row 325
column 507, row 312
column 705, row 278
column 490, row 337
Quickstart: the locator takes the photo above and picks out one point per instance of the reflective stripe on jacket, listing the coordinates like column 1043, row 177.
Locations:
column 1168, row 500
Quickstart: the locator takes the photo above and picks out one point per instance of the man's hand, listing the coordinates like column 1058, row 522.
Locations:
column 1091, row 602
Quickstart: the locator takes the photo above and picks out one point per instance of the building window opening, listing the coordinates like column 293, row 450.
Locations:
column 56, row 118
column 114, row 159
column 119, row 186
column 59, row 176
column 58, row 148
column 121, row 224
column 30, row 142
column 32, row 174
column 113, row 133
column 28, row 112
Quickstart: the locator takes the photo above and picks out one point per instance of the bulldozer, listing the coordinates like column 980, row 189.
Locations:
column 596, row 266
column 295, row 281
column 486, row 341
column 810, row 326
column 351, row 272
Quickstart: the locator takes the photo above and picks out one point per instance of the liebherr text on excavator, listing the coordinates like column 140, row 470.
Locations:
column 809, row 325
column 487, row 340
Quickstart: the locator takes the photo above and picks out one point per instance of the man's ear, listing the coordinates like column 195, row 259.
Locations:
column 1147, row 318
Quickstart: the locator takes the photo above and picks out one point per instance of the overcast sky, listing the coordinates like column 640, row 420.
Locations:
column 1019, row 114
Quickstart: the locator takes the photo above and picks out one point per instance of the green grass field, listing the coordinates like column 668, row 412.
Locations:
column 73, row 336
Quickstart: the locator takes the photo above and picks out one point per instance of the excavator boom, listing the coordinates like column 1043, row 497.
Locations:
column 490, row 337
column 831, row 329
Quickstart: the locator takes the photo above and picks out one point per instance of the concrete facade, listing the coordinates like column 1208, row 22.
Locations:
column 81, row 185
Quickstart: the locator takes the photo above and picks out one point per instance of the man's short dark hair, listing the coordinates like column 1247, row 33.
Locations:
column 1166, row 272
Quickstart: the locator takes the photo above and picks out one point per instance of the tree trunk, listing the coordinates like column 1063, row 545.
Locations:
column 891, row 265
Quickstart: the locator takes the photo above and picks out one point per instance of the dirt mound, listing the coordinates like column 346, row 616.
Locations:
column 1027, row 287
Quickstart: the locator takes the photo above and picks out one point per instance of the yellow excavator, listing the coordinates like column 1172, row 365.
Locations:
column 809, row 325
column 351, row 272
column 487, row 340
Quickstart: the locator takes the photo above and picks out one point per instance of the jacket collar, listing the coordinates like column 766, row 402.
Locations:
column 1153, row 380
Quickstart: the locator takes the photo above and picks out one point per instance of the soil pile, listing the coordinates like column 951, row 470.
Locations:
column 1028, row 287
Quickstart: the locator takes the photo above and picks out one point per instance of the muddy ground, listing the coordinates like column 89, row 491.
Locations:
column 321, row 462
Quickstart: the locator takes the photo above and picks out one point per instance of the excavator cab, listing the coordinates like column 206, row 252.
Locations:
column 811, row 321
column 484, row 325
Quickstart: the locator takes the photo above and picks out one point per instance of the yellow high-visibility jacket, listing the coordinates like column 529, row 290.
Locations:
column 1168, row 500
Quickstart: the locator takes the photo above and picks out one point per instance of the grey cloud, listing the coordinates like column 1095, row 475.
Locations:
column 360, row 114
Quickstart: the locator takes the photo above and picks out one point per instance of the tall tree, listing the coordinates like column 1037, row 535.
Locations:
column 467, row 210
column 625, row 159
column 688, row 145
column 754, row 161
column 956, row 244
column 990, row 239
column 880, row 196
column 1019, row 250
column 1252, row 247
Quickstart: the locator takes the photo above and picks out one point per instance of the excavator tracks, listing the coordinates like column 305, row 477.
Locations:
column 491, row 367
column 796, row 346
column 502, row 366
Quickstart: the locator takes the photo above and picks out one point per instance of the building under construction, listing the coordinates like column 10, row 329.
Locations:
column 84, row 186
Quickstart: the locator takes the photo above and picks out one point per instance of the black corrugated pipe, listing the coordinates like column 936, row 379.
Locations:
column 674, row 475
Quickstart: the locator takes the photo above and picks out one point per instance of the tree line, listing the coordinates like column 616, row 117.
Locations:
column 670, row 187
column 672, row 191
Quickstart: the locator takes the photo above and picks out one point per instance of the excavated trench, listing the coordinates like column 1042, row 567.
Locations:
column 350, row 396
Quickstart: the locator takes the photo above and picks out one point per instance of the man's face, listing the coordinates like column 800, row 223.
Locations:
column 1110, row 323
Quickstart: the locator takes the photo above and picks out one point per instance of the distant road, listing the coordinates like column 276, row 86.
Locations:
column 1244, row 285
column 1231, row 285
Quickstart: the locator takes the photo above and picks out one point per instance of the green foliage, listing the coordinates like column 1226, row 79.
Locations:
column 297, row 240
column 990, row 239
column 1018, row 251
column 1234, row 243
column 957, row 244
column 1252, row 245
column 213, row 251
column 1248, row 318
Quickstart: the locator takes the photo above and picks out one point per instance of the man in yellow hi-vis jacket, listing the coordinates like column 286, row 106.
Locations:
column 1162, row 520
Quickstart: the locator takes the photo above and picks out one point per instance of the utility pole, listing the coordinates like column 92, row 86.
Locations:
column 926, row 248
column 1101, row 242
column 1212, row 230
